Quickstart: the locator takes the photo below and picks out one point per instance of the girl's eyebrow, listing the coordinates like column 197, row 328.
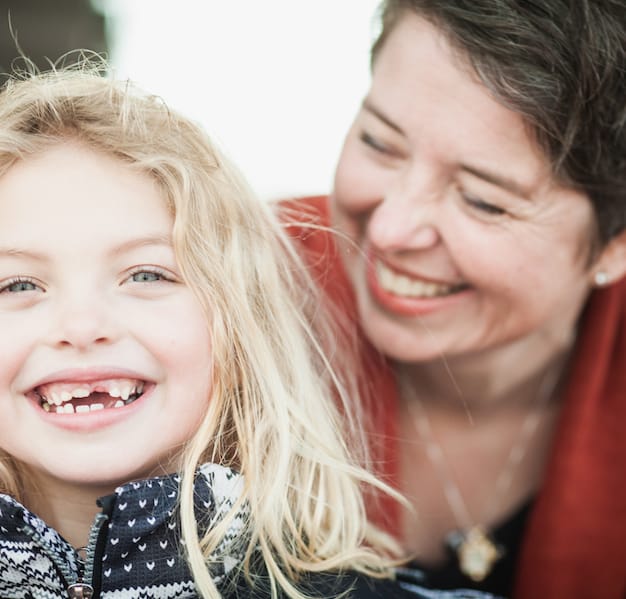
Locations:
column 9, row 252
column 138, row 242
column 122, row 248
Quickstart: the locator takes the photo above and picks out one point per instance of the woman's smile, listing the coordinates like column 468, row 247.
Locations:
column 410, row 295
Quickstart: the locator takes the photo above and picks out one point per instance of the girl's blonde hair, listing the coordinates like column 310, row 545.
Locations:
column 271, row 413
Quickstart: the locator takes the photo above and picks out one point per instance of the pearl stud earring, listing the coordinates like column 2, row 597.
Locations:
column 601, row 278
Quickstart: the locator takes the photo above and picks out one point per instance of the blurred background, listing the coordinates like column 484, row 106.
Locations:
column 275, row 82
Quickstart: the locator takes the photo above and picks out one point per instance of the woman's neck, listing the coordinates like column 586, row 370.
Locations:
column 488, row 381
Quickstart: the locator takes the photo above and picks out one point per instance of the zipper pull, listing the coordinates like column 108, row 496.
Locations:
column 80, row 590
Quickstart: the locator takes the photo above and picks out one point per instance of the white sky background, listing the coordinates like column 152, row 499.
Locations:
column 275, row 82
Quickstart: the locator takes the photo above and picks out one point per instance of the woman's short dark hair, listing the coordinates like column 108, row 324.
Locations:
column 561, row 64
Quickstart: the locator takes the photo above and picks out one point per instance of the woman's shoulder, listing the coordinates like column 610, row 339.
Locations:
column 306, row 219
column 407, row 586
column 304, row 209
column 351, row 585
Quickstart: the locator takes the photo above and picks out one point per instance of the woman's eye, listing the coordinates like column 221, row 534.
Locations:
column 373, row 143
column 483, row 206
column 18, row 286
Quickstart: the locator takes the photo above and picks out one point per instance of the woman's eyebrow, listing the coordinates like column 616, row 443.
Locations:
column 506, row 183
column 367, row 105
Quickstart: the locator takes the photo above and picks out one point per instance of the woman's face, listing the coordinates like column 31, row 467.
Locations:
column 458, row 238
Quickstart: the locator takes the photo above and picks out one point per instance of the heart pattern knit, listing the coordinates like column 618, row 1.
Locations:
column 135, row 547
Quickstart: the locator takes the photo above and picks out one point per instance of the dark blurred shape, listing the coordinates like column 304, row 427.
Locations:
column 47, row 29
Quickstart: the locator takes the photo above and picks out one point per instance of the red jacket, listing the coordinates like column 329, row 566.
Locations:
column 575, row 541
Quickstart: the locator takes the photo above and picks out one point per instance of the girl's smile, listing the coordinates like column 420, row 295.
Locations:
column 81, row 398
column 73, row 389
column 89, row 399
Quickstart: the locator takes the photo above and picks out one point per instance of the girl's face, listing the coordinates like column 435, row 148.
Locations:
column 459, row 239
column 105, row 356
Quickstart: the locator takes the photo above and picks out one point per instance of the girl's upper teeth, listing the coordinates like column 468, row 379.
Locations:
column 409, row 287
column 60, row 393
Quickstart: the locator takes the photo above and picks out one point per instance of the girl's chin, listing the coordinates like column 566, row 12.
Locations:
column 87, row 477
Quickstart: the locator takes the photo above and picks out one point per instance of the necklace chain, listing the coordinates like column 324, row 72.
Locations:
column 477, row 553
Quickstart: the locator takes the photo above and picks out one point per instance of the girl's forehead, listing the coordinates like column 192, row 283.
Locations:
column 83, row 194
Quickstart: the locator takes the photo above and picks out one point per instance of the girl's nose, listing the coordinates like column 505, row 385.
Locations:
column 83, row 322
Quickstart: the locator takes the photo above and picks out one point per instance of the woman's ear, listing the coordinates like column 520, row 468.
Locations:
column 610, row 265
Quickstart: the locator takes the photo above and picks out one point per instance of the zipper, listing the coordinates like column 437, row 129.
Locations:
column 83, row 585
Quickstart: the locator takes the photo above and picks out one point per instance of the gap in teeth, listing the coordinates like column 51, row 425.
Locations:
column 69, row 408
column 60, row 393
column 58, row 397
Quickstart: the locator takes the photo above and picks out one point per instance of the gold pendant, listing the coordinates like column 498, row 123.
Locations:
column 477, row 554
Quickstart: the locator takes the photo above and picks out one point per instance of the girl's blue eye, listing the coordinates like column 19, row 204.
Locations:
column 146, row 276
column 18, row 285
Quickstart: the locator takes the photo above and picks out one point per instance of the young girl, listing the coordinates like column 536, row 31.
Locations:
column 166, row 425
column 150, row 328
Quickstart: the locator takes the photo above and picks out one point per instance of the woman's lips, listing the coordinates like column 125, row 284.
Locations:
column 409, row 295
column 414, row 287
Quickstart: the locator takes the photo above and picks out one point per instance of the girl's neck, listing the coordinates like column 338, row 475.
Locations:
column 488, row 381
column 69, row 509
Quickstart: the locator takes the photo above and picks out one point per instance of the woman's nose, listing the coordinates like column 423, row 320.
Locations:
column 405, row 219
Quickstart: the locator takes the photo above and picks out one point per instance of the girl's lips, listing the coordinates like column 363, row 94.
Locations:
column 92, row 420
column 404, row 295
column 89, row 375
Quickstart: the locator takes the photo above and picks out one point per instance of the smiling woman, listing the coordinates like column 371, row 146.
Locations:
column 479, row 243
